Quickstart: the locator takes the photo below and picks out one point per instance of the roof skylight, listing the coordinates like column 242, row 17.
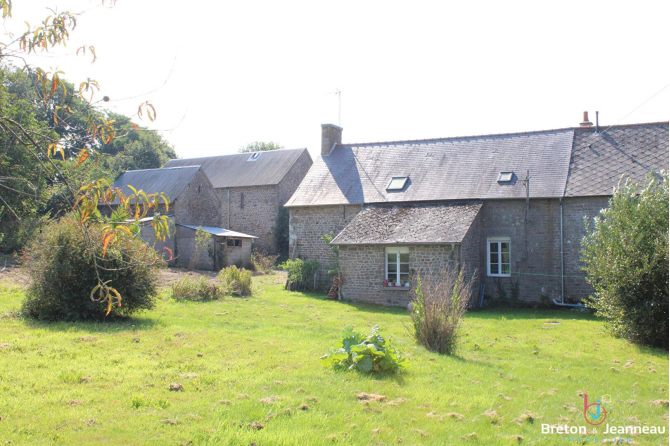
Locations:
column 254, row 156
column 505, row 177
column 396, row 184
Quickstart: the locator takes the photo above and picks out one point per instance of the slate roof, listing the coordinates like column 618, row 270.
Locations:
column 220, row 232
column 600, row 159
column 421, row 224
column 441, row 169
column 566, row 162
column 171, row 181
column 238, row 170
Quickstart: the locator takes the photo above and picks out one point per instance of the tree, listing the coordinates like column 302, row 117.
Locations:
column 77, row 135
column 259, row 146
column 134, row 147
column 625, row 255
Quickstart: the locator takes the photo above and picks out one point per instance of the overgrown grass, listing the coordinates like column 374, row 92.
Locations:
column 196, row 290
column 237, row 371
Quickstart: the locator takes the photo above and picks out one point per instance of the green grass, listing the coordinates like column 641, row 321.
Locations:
column 240, row 364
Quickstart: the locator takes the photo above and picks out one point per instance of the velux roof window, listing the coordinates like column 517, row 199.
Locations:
column 397, row 184
column 505, row 177
column 254, row 156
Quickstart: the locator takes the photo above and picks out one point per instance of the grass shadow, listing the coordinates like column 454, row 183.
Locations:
column 532, row 313
column 397, row 377
column 115, row 325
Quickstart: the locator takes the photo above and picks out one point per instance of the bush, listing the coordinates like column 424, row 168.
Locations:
column 300, row 274
column 262, row 262
column 235, row 281
column 367, row 354
column 63, row 274
column 196, row 290
column 439, row 303
column 625, row 256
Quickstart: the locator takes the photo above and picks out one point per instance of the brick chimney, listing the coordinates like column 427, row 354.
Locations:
column 331, row 135
column 586, row 122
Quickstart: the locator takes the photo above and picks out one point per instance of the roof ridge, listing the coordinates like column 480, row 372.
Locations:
column 490, row 135
column 236, row 154
column 162, row 169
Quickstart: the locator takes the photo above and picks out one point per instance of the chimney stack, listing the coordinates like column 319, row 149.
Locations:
column 586, row 122
column 331, row 135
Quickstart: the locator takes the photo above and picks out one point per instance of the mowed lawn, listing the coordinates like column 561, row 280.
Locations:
column 243, row 371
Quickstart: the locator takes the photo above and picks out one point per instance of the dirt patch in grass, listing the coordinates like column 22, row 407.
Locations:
column 370, row 397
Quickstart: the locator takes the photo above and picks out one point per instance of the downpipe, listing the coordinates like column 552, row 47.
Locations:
column 562, row 302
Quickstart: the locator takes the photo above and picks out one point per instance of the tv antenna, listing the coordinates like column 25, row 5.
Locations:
column 338, row 93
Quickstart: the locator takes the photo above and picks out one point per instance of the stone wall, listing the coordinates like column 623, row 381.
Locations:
column 363, row 271
column 198, row 204
column 535, row 249
column 306, row 227
column 253, row 210
column 574, row 229
column 535, row 246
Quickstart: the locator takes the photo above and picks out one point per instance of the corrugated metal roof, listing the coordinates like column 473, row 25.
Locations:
column 600, row 159
column 421, row 224
column 237, row 170
column 441, row 169
column 220, row 232
column 170, row 181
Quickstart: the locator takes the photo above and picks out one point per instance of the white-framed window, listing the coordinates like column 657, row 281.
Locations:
column 499, row 256
column 397, row 265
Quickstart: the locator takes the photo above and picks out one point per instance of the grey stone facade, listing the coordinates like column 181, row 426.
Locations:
column 251, row 189
column 198, row 204
column 535, row 250
column 308, row 224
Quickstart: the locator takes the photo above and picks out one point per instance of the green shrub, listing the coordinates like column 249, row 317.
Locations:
column 196, row 290
column 235, row 281
column 368, row 354
column 63, row 274
column 262, row 262
column 625, row 256
column 300, row 274
column 438, row 305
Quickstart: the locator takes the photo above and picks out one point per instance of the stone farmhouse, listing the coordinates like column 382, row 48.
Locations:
column 193, row 204
column 251, row 189
column 509, row 207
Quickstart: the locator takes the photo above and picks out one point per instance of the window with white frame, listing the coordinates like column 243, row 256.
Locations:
column 397, row 265
column 499, row 256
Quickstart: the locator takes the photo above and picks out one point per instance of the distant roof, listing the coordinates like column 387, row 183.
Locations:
column 421, row 224
column 440, row 169
column 171, row 181
column 240, row 170
column 600, row 159
column 219, row 231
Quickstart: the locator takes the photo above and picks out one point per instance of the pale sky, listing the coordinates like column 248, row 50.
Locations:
column 223, row 74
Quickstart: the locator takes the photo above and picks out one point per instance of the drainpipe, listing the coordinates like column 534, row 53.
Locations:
column 562, row 302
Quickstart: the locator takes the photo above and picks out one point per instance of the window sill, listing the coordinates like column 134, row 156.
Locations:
column 396, row 288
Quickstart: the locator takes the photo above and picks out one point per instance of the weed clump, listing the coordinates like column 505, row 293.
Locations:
column 438, row 305
column 263, row 263
column 196, row 290
column 236, row 281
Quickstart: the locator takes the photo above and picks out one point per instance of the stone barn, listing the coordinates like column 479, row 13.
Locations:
column 251, row 189
column 193, row 204
column 508, row 207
